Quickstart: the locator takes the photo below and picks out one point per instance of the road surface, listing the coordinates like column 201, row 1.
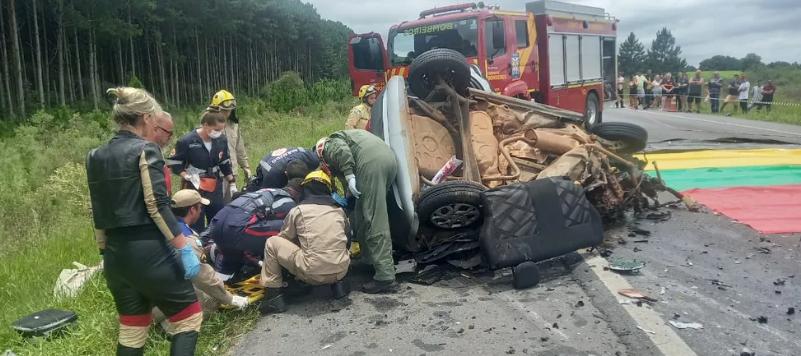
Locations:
column 700, row 267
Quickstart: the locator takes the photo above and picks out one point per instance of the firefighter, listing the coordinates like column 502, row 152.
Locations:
column 224, row 102
column 369, row 167
column 312, row 245
column 138, row 234
column 359, row 117
column 240, row 230
column 272, row 170
column 201, row 158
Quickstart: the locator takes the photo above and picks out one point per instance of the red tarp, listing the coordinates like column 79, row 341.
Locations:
column 769, row 210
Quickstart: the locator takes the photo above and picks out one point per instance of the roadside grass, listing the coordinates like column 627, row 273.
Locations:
column 45, row 223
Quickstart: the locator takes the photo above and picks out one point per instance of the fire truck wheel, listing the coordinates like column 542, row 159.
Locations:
column 447, row 64
column 630, row 137
column 592, row 111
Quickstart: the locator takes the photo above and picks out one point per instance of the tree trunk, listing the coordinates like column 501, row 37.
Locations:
column 152, row 81
column 78, row 64
column 12, row 15
column 209, row 84
column 121, row 65
column 130, row 42
column 60, row 44
column 160, row 61
column 68, row 57
column 199, row 74
column 39, row 84
column 93, row 67
column 46, row 60
column 6, row 73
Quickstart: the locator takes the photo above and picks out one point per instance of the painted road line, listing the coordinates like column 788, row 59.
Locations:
column 751, row 176
column 723, row 158
column 657, row 330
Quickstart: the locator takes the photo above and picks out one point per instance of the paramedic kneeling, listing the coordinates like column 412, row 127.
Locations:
column 312, row 244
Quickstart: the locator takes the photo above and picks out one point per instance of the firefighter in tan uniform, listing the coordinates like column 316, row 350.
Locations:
column 224, row 102
column 312, row 244
column 359, row 116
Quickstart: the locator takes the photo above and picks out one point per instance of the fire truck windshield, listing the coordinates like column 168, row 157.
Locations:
column 407, row 43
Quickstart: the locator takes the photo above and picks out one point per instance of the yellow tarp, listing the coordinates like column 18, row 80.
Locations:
column 723, row 158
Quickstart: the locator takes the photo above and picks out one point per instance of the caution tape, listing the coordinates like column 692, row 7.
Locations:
column 721, row 99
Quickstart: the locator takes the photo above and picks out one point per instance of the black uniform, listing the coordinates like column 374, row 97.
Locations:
column 272, row 166
column 131, row 207
column 191, row 153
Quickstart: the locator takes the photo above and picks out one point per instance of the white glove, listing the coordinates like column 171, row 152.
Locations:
column 194, row 179
column 239, row 302
column 352, row 185
column 248, row 174
column 233, row 189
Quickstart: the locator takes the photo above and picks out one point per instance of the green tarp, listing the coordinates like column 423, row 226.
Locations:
column 683, row 179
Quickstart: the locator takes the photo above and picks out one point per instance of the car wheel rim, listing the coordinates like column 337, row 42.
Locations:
column 455, row 215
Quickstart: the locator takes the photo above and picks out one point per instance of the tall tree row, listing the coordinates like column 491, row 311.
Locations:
column 67, row 52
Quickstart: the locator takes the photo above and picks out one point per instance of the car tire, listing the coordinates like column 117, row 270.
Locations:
column 437, row 63
column 451, row 205
column 592, row 111
column 632, row 138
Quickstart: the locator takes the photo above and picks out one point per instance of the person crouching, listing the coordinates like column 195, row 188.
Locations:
column 312, row 244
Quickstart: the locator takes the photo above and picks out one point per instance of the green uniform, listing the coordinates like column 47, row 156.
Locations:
column 364, row 155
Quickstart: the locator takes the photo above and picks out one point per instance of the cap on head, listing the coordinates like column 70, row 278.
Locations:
column 186, row 198
column 223, row 100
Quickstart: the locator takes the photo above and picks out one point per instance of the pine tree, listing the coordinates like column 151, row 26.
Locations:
column 631, row 58
column 664, row 55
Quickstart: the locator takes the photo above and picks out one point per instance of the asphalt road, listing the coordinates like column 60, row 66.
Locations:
column 700, row 267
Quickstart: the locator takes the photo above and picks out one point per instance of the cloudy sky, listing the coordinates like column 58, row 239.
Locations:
column 703, row 28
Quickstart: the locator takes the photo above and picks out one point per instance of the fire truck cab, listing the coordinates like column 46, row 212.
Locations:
column 555, row 53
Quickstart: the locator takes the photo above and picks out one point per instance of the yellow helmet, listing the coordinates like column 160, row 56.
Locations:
column 319, row 176
column 223, row 100
column 367, row 90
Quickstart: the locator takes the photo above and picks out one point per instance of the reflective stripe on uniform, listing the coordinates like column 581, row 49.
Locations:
column 150, row 198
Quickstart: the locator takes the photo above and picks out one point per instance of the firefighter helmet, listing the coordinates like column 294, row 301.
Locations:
column 223, row 100
column 319, row 176
column 367, row 90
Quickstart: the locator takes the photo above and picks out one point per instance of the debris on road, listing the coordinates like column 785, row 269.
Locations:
column 790, row 311
column 681, row 325
column 747, row 352
column 406, row 266
column 779, row 282
column 635, row 294
column 760, row 319
column 646, row 330
column 628, row 266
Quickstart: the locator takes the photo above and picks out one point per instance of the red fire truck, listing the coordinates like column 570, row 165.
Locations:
column 556, row 53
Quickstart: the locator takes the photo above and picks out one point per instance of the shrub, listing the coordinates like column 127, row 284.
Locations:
column 287, row 93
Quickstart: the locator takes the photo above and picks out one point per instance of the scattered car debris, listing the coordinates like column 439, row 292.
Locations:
column 635, row 294
column 779, row 282
column 764, row 250
column 646, row 330
column 790, row 311
column 747, row 352
column 626, row 266
column 682, row 325
column 429, row 275
column 406, row 266
column 721, row 285
column 760, row 319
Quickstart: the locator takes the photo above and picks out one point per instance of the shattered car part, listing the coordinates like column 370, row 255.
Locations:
column 623, row 265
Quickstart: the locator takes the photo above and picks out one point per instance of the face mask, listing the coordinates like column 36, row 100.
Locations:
column 215, row 134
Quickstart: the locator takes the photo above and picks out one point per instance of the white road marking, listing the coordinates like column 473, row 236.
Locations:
column 533, row 316
column 665, row 339
column 724, row 123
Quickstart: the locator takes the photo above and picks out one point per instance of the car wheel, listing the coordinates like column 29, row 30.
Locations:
column 630, row 137
column 592, row 111
column 451, row 205
column 447, row 64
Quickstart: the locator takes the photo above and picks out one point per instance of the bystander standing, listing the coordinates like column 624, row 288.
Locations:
column 714, row 92
column 745, row 87
column 733, row 93
column 694, row 92
column 767, row 95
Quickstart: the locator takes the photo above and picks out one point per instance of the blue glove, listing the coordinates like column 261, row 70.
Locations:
column 190, row 261
column 339, row 199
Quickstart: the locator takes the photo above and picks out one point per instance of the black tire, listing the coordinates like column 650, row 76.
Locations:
column 592, row 111
column 525, row 275
column 451, row 205
column 443, row 63
column 633, row 138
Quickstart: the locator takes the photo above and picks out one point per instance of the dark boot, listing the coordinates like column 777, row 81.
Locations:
column 340, row 289
column 376, row 287
column 183, row 344
column 273, row 301
column 129, row 351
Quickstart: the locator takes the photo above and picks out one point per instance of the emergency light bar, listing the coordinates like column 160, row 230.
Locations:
column 449, row 8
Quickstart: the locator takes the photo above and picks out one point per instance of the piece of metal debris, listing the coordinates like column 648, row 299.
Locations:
column 406, row 266
column 681, row 325
column 646, row 330
column 790, row 311
column 628, row 266
column 635, row 294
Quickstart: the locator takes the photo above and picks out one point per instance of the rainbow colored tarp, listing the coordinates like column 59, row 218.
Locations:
column 758, row 187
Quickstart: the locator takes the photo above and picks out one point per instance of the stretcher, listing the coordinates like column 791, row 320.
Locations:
column 249, row 288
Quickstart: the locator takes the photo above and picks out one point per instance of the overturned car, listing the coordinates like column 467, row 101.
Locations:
column 534, row 181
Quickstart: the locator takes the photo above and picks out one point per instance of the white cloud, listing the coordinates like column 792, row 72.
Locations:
column 768, row 28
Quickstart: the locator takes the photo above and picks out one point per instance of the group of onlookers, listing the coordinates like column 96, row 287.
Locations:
column 658, row 91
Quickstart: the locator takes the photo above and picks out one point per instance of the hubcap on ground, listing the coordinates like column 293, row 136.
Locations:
column 455, row 215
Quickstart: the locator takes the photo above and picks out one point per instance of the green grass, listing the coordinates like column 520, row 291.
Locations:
column 45, row 223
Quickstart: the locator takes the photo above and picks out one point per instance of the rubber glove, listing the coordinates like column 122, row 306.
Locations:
column 194, row 179
column 239, row 302
column 233, row 189
column 339, row 199
column 189, row 260
column 352, row 185
column 248, row 174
